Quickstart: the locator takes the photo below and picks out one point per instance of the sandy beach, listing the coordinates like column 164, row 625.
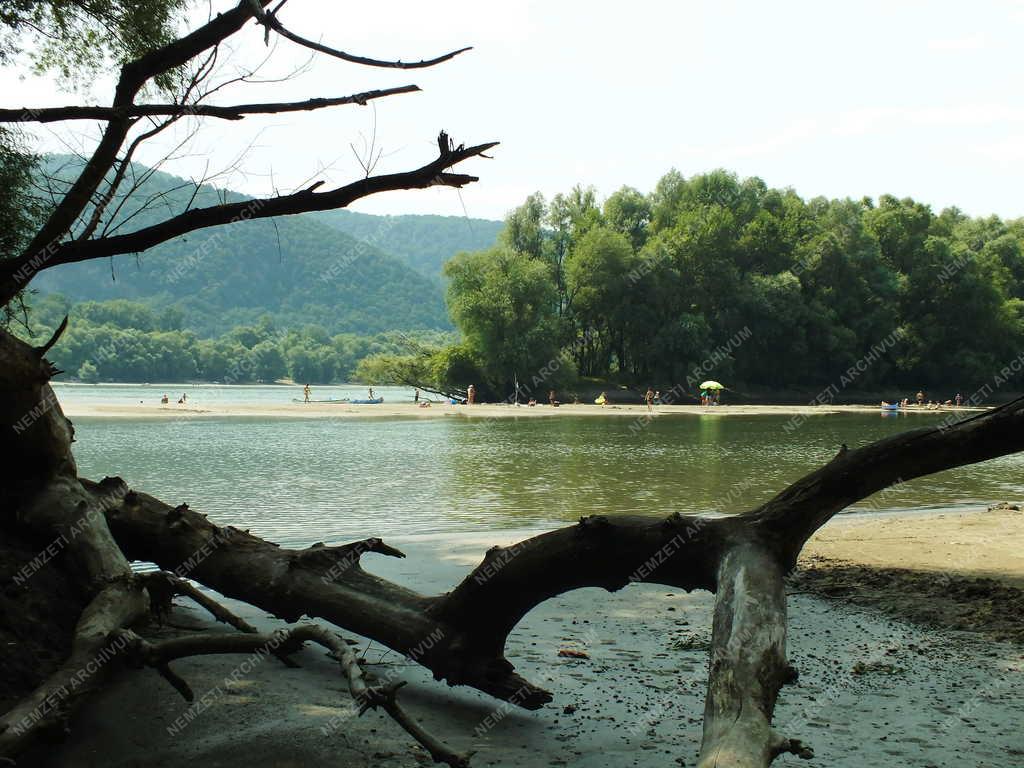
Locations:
column 873, row 690
column 225, row 409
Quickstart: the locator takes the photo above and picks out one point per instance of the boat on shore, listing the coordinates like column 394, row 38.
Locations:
column 329, row 401
column 367, row 401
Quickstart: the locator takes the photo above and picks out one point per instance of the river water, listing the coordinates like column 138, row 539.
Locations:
column 297, row 481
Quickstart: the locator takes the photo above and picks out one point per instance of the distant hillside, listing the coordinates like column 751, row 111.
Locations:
column 296, row 269
column 423, row 242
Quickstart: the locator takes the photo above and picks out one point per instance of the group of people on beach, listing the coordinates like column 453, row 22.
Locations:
column 919, row 402
column 711, row 397
column 181, row 400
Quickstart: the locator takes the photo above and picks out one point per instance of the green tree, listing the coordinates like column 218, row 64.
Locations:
column 503, row 302
column 88, row 373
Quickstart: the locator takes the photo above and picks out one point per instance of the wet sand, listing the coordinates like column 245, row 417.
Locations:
column 221, row 409
column 872, row 690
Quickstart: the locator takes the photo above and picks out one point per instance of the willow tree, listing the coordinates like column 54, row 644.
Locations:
column 96, row 528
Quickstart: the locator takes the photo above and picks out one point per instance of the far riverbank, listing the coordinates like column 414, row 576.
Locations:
column 198, row 407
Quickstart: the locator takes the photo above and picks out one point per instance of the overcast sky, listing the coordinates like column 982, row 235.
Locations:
column 914, row 98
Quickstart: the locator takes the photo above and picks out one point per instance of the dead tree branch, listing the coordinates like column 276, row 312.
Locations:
column 15, row 273
column 271, row 22
column 229, row 112
column 159, row 655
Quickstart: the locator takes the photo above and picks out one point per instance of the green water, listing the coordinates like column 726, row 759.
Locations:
column 299, row 481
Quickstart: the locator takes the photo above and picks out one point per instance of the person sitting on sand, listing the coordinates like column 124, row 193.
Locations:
column 425, row 404
column 533, row 402
column 948, row 402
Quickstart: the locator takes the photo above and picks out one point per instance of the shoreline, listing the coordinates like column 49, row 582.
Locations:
column 199, row 410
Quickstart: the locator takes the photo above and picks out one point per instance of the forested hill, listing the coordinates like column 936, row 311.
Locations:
column 423, row 242
column 296, row 269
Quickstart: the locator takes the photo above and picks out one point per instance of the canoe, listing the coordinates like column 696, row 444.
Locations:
column 891, row 407
column 375, row 401
column 334, row 401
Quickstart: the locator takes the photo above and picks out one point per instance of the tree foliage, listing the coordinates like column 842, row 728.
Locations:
column 725, row 276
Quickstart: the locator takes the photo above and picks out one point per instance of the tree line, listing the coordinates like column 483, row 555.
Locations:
column 644, row 288
column 121, row 340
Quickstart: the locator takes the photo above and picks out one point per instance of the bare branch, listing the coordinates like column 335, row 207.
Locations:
column 134, row 75
column 271, row 21
column 234, row 112
column 15, row 273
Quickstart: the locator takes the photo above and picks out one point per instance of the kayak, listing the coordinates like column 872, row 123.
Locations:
column 332, row 400
column 891, row 407
column 375, row 401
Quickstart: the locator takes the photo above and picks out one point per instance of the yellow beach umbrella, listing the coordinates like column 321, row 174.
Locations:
column 711, row 385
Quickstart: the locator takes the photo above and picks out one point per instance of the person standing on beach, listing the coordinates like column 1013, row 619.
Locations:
column 305, row 393
column 920, row 398
column 416, row 395
column 649, row 399
column 959, row 399
column 471, row 394
column 371, row 393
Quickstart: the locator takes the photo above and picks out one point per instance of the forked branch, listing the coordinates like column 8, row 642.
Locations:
column 159, row 655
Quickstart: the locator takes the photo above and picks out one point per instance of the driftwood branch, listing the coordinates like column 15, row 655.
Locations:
column 162, row 586
column 230, row 112
column 159, row 655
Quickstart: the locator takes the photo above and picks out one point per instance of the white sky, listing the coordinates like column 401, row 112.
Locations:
column 914, row 98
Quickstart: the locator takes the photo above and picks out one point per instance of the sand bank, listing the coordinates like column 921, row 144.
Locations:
column 872, row 691
column 970, row 543
column 223, row 409
column 958, row 570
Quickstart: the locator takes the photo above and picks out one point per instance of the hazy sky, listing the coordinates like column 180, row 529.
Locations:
column 910, row 98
